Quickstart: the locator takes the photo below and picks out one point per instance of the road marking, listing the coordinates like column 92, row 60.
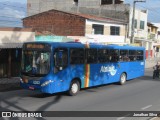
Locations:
column 120, row 118
column 155, row 118
column 146, row 107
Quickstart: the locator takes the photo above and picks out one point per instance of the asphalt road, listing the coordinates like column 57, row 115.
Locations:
column 141, row 94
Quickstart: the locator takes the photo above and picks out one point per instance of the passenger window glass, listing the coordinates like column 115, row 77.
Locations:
column 114, row 55
column 61, row 58
column 91, row 55
column 124, row 55
column 140, row 55
column 103, row 55
column 132, row 55
column 76, row 56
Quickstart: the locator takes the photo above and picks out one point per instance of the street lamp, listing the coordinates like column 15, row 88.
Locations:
column 133, row 17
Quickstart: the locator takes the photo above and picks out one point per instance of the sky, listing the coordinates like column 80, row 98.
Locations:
column 153, row 7
column 12, row 11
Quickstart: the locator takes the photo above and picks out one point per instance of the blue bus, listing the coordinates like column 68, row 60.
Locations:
column 53, row 67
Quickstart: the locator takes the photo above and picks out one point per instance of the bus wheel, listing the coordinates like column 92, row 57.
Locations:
column 123, row 78
column 74, row 88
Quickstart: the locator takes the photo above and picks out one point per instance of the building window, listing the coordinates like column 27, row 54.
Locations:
column 107, row 2
column 142, row 25
column 114, row 30
column 98, row 29
column 135, row 23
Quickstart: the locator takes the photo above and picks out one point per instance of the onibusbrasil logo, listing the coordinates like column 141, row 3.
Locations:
column 21, row 114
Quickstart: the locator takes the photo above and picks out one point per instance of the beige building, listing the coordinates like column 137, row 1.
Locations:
column 154, row 39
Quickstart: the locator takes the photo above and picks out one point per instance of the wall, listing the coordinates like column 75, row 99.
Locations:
column 158, row 30
column 16, row 35
column 56, row 23
column 106, row 37
column 38, row 6
column 139, row 15
column 118, row 11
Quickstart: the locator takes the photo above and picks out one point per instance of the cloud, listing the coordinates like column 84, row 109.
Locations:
column 9, row 12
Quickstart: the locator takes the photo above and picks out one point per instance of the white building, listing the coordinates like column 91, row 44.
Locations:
column 158, row 34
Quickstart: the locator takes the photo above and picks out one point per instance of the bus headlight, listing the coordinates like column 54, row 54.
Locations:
column 21, row 80
column 46, row 83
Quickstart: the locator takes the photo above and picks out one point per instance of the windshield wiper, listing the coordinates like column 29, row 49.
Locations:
column 32, row 75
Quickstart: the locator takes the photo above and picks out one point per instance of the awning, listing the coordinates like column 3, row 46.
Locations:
column 156, row 44
column 10, row 45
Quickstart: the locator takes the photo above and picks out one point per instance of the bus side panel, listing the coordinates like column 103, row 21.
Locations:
column 104, row 73
column 50, row 88
column 123, row 68
column 136, row 69
column 62, row 80
column 64, row 77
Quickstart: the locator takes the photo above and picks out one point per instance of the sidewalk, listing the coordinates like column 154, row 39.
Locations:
column 13, row 83
column 8, row 84
column 150, row 62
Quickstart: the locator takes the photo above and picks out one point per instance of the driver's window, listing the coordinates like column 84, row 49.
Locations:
column 60, row 58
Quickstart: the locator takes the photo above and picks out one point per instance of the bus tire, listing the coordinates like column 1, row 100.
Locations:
column 74, row 88
column 123, row 78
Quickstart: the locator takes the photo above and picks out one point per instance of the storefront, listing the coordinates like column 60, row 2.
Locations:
column 11, row 41
column 10, row 60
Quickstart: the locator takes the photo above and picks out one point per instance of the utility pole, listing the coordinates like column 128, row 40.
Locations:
column 133, row 19
column 113, row 2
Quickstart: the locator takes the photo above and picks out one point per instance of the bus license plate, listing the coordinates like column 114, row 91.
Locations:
column 31, row 88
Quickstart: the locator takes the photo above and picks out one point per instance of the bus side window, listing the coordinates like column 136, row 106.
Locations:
column 61, row 58
column 132, row 55
column 103, row 55
column 76, row 56
column 114, row 54
column 91, row 55
column 124, row 55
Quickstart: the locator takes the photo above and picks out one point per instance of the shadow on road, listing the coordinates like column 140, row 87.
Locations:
column 12, row 105
column 149, row 78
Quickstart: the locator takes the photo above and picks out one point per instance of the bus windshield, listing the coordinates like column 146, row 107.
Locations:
column 35, row 62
